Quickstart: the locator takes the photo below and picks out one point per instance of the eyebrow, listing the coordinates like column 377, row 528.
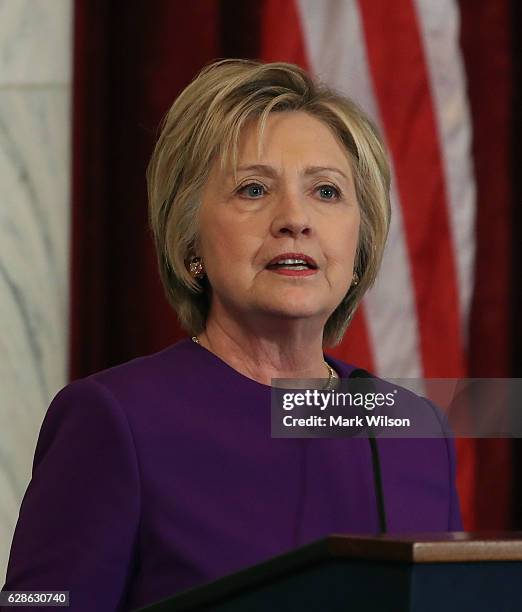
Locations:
column 272, row 173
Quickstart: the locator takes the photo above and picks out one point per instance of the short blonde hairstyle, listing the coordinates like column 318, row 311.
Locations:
column 205, row 124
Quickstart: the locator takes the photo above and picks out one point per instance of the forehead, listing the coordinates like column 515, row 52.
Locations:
column 295, row 135
column 290, row 137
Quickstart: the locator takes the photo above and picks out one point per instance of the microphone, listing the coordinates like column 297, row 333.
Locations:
column 376, row 464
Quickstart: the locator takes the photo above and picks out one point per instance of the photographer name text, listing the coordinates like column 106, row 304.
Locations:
column 340, row 421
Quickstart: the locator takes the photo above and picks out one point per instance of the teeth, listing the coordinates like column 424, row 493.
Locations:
column 291, row 262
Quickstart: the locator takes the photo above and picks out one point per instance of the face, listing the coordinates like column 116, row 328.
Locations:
column 278, row 238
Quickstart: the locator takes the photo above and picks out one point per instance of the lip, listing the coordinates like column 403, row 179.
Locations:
column 309, row 260
column 287, row 272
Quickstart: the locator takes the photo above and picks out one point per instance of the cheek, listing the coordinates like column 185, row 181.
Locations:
column 227, row 249
column 233, row 246
column 241, row 237
column 342, row 243
column 215, row 235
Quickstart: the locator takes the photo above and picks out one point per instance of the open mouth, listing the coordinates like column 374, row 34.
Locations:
column 292, row 263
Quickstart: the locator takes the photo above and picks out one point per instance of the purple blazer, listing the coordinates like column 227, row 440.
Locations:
column 160, row 474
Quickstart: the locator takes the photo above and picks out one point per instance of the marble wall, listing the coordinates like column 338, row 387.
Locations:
column 35, row 133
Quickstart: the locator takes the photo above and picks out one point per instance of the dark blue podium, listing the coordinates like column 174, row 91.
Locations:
column 452, row 572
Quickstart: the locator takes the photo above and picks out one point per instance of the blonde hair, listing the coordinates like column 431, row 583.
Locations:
column 205, row 123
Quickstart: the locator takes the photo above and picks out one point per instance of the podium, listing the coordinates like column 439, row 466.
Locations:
column 450, row 572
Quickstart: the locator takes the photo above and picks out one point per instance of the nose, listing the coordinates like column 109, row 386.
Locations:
column 291, row 217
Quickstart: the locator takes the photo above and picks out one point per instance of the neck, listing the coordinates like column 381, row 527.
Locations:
column 280, row 350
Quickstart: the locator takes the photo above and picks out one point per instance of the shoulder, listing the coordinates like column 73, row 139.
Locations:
column 110, row 407
column 171, row 362
column 108, row 399
column 141, row 378
column 83, row 413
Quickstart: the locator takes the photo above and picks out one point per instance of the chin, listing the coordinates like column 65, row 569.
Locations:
column 295, row 308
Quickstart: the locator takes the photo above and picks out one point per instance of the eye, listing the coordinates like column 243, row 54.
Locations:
column 252, row 190
column 328, row 192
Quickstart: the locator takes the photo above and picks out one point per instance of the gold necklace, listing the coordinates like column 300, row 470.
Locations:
column 331, row 371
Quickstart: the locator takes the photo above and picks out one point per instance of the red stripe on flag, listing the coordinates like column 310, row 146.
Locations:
column 282, row 38
column 356, row 347
column 401, row 82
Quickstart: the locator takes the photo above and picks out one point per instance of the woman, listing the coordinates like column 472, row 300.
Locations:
column 269, row 204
